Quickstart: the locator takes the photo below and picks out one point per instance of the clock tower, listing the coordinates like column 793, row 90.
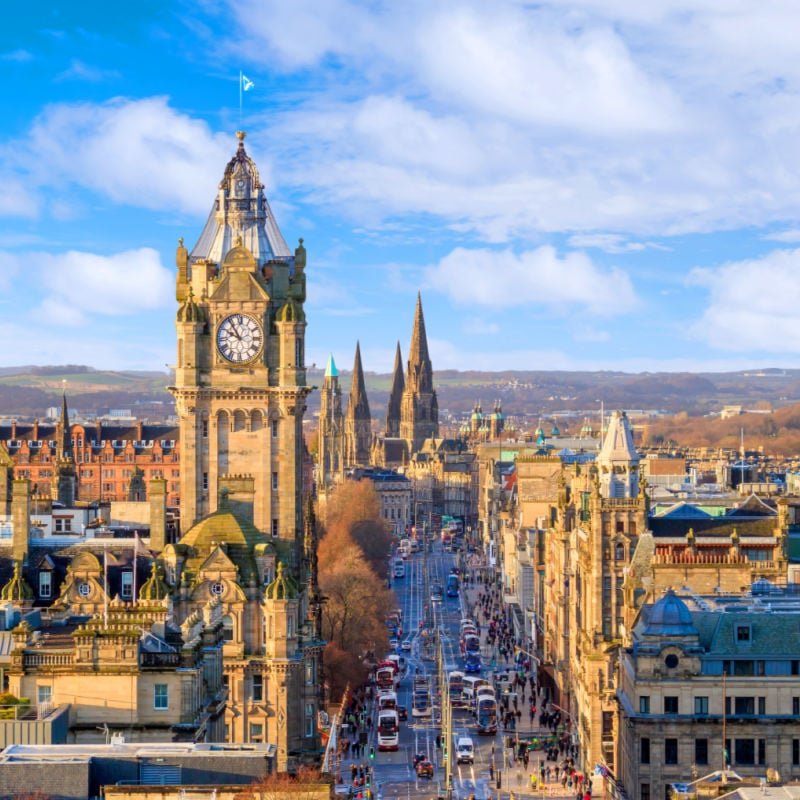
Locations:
column 240, row 393
column 240, row 383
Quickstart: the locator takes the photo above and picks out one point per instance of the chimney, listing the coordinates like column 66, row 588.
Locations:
column 98, row 428
column 139, row 430
column 20, row 518
column 13, row 429
column 35, row 432
column 158, row 514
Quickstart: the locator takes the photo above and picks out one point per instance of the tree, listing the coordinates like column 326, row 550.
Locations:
column 306, row 783
column 356, row 600
column 341, row 668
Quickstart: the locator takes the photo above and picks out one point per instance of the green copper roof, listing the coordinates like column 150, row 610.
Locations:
column 330, row 370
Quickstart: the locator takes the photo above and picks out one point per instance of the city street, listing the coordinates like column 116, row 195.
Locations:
column 494, row 772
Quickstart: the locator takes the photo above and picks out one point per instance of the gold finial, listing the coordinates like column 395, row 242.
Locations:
column 180, row 241
column 238, row 241
column 240, row 135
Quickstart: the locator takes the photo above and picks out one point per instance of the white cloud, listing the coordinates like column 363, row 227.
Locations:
column 80, row 71
column 20, row 56
column 753, row 304
column 76, row 286
column 612, row 243
column 511, row 119
column 791, row 236
column 538, row 278
column 135, row 152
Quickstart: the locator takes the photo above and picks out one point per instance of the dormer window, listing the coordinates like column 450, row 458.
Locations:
column 126, row 589
column 45, row 585
column 743, row 633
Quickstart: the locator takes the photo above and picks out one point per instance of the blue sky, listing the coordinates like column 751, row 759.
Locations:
column 571, row 185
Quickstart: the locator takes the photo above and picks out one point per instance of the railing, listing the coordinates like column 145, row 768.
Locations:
column 47, row 659
column 159, row 659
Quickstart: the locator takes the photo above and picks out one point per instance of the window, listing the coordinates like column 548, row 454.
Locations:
column 644, row 750
column 644, row 704
column 160, row 697
column 644, row 792
column 205, row 481
column 796, row 706
column 670, row 751
column 310, row 673
column 63, row 525
column 256, row 732
column 796, row 752
column 298, row 352
column 762, row 751
column 257, row 686
column 671, row 705
column 608, row 723
column 619, row 551
column 275, row 527
column 742, row 633
column 744, row 705
column 274, row 481
column 701, row 705
column 126, row 590
column 46, row 585
column 701, row 751
column 205, row 428
column 274, row 428
column 795, row 670
column 44, row 694
column 744, row 751
column 227, row 628
column 309, row 720
column 762, row 705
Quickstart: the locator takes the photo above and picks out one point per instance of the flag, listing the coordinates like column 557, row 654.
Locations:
column 247, row 84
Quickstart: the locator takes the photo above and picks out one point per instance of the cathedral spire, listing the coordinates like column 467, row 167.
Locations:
column 418, row 356
column 358, row 389
column 395, row 396
column 358, row 424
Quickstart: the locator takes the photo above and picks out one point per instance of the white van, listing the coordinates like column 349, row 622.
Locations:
column 465, row 751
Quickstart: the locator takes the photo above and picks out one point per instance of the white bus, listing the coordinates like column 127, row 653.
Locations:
column 388, row 730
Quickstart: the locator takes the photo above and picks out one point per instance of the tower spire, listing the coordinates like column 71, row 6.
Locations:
column 359, row 421
column 418, row 353
column 395, row 396
column 65, row 440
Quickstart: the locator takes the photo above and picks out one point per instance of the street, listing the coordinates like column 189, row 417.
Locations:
column 494, row 773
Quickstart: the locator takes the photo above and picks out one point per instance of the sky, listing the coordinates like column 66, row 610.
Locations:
column 597, row 184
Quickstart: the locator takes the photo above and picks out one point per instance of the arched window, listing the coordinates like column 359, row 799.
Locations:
column 227, row 628
column 619, row 551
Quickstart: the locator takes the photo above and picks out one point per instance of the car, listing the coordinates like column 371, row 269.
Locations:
column 405, row 646
column 425, row 769
column 394, row 643
column 402, row 713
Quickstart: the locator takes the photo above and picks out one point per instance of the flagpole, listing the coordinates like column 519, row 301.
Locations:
column 241, row 80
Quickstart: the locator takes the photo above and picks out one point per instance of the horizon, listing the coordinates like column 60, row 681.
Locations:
column 572, row 187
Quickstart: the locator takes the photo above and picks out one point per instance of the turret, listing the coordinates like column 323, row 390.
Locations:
column 182, row 275
column 290, row 323
column 618, row 460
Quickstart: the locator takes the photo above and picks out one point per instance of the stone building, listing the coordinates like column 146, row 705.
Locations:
column 102, row 462
column 708, row 681
column 248, row 543
column 330, row 434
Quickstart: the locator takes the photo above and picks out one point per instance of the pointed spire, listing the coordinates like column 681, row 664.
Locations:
column 418, row 353
column 395, row 396
column 359, row 404
column 330, row 369
column 65, row 440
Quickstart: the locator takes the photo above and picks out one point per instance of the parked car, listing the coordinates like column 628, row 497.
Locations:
column 402, row 713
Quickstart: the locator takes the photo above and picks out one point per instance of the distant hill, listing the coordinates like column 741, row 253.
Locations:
column 777, row 432
column 27, row 391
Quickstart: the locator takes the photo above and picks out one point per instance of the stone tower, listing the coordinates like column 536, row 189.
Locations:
column 395, row 397
column 358, row 421
column 331, row 427
column 64, row 479
column 618, row 461
column 419, row 411
column 240, row 394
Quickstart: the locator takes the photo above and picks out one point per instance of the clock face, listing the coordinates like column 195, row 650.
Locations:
column 84, row 589
column 239, row 338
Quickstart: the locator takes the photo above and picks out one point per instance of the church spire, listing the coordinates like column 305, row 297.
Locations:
column 395, row 396
column 418, row 357
column 419, row 411
column 358, row 425
column 358, row 390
